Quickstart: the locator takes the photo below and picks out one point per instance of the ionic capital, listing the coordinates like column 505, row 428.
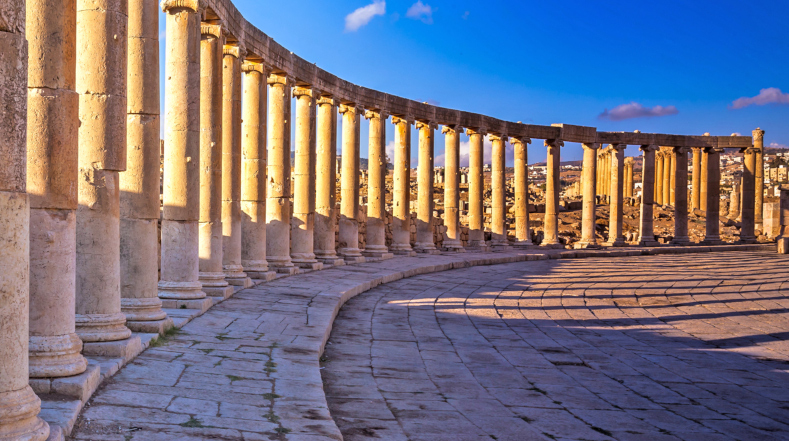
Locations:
column 237, row 50
column 751, row 150
column 277, row 78
column 497, row 137
column 397, row 120
column 194, row 5
column 758, row 134
column 477, row 131
column 374, row 114
column 680, row 150
column 591, row 146
column 452, row 129
column 325, row 101
column 714, row 150
column 515, row 140
column 215, row 30
column 555, row 143
column 617, row 147
column 304, row 91
column 648, row 148
column 250, row 66
column 350, row 107
column 426, row 125
column 629, row 161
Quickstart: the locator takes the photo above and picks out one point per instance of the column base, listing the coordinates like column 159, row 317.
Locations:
column 19, row 416
column 255, row 267
column 712, row 241
column 349, row 252
column 648, row 241
column 234, row 275
column 223, row 292
column 243, row 282
column 552, row 246
column 56, row 356
column 402, row 249
column 453, row 245
column 495, row 246
column 180, row 290
column 101, row 327
column 426, row 248
column 314, row 266
column 332, row 261
column 380, row 255
column 150, row 327
column 586, row 246
column 80, row 387
column 262, row 276
column 352, row 259
column 200, row 304
column 681, row 240
column 287, row 270
column 524, row 244
column 143, row 309
column 620, row 242
column 125, row 349
column 747, row 240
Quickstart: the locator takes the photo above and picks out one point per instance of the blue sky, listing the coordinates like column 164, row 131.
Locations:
column 681, row 64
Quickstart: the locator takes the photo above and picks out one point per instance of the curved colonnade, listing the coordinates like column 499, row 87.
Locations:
column 79, row 193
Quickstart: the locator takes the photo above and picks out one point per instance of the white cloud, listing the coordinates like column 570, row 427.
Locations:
column 770, row 95
column 390, row 150
column 775, row 145
column 363, row 15
column 636, row 110
column 465, row 15
column 420, row 11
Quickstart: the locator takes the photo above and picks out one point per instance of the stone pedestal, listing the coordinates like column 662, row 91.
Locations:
column 401, row 201
column 376, row 187
column 646, row 236
column 588, row 215
column 616, row 191
column 680, row 195
column 498, row 227
column 552, row 188
column 476, row 187
column 424, row 216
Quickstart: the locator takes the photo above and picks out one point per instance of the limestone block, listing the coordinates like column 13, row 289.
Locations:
column 51, row 72
column 179, row 253
column 181, row 175
column 143, row 89
column 13, row 91
column 103, row 123
column 139, row 184
column 772, row 219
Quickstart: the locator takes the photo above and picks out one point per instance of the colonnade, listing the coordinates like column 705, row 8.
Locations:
column 80, row 180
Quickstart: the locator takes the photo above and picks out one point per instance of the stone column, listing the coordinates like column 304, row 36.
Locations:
column 680, row 194
column 552, row 182
column 349, row 186
column 704, row 181
column 658, row 175
column 302, row 222
column 673, row 178
column 211, row 274
column 476, row 188
column 452, row 240
column 101, row 41
column 179, row 284
column 498, row 227
column 616, row 208
column 278, row 176
column 695, row 195
column 628, row 192
column 598, row 172
column 667, row 175
column 783, row 236
column 52, row 121
column 758, row 144
column 376, row 187
column 401, row 213
column 648, row 177
column 607, row 175
column 19, row 405
column 588, row 174
column 734, row 201
column 231, row 165
column 424, row 220
column 326, row 178
column 139, row 184
column 522, row 233
column 748, row 195
column 712, row 236
column 253, row 172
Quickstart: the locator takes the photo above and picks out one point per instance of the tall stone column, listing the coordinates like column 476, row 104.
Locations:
column 401, row 216
column 376, row 187
column 598, row 173
column 680, row 193
column 712, row 236
column 658, row 176
column 734, row 201
column 302, row 226
column 783, row 236
column 52, row 121
column 628, row 191
column 552, row 183
column 667, row 175
column 748, row 196
column 19, row 405
column 607, row 175
column 588, row 174
column 101, row 41
column 278, row 176
column 211, row 274
column 424, row 216
column 139, row 184
column 476, row 188
column 231, row 165
column 253, row 172
column 695, row 195
column 673, row 178
column 648, row 177
column 498, row 226
column 522, row 233
column 179, row 284
column 758, row 210
column 452, row 240
column 704, row 180
column 326, row 179
column 616, row 208
column 349, row 186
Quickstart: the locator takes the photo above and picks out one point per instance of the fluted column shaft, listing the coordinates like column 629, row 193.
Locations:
column 704, row 180
column 376, row 185
column 401, row 216
column 139, row 184
column 498, row 226
column 424, row 215
column 616, row 208
column 476, row 226
column 101, row 41
column 648, row 178
column 758, row 209
column 349, row 186
column 695, row 191
column 303, row 221
column 658, row 176
column 19, row 405
column 551, row 224
column 680, row 194
column 522, row 227
column 181, row 197
column 52, row 121
column 588, row 214
column 278, row 174
column 712, row 236
column 673, row 179
column 748, row 197
column 326, row 178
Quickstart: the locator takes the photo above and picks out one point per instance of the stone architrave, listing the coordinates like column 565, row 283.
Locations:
column 302, row 223
column 476, row 187
column 424, row 216
column 680, row 194
column 522, row 228
column 376, row 187
column 552, row 188
column 748, row 195
column 695, row 192
column 712, row 236
column 139, row 184
column 401, row 201
column 326, row 181
column 52, row 121
column 498, row 223
column 758, row 205
column 179, row 284
column 349, row 186
column 19, row 405
column 648, row 178
column 588, row 215
column 211, row 274
column 616, row 203
column 101, row 85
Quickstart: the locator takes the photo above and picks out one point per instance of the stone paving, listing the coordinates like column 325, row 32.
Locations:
column 650, row 347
